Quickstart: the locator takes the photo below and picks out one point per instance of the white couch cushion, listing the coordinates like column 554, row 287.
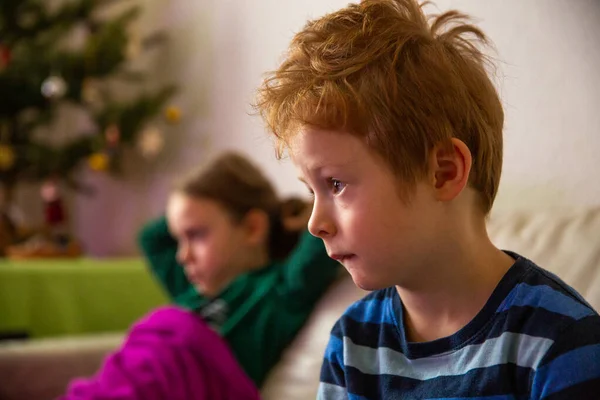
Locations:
column 40, row 369
column 565, row 243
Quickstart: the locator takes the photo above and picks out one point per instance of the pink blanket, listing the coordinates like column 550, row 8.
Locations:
column 171, row 354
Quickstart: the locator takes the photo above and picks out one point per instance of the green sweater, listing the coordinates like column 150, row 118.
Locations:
column 260, row 312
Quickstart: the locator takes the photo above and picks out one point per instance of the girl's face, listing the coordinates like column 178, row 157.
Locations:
column 212, row 247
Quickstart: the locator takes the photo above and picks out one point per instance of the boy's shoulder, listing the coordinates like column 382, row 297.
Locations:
column 559, row 331
column 542, row 305
column 536, row 289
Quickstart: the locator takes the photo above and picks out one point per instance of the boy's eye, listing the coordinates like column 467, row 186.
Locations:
column 336, row 185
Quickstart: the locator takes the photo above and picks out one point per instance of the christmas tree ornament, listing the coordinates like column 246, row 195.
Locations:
column 54, row 211
column 151, row 142
column 90, row 93
column 64, row 79
column 112, row 135
column 99, row 162
column 54, row 87
column 54, row 240
column 5, row 56
column 173, row 114
column 7, row 157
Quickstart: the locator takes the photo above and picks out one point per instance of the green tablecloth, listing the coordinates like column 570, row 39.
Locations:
column 65, row 297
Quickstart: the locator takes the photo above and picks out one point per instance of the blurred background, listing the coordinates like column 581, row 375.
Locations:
column 215, row 53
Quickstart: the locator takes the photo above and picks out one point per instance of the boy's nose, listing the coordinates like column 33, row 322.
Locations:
column 320, row 224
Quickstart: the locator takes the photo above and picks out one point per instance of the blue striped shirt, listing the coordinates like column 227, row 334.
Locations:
column 536, row 338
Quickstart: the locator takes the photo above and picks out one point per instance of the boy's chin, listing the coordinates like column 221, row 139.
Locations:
column 366, row 282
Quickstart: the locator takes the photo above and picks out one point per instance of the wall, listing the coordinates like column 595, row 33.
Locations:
column 220, row 49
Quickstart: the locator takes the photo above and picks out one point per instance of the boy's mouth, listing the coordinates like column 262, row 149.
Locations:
column 341, row 257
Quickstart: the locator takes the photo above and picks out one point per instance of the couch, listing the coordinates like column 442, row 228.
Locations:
column 564, row 242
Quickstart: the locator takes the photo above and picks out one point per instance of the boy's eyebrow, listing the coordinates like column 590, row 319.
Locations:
column 321, row 165
column 316, row 169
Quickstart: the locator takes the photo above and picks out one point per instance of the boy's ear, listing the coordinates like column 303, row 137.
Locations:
column 256, row 225
column 450, row 167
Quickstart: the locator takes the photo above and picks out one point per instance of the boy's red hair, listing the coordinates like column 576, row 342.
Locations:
column 404, row 82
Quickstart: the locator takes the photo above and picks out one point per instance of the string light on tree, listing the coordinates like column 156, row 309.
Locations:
column 151, row 142
column 134, row 47
column 90, row 93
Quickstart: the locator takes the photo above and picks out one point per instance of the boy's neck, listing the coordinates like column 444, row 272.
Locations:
column 463, row 282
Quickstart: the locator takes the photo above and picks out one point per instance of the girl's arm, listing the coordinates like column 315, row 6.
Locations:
column 160, row 249
column 308, row 271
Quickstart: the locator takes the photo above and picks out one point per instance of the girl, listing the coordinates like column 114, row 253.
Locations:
column 240, row 259
column 231, row 251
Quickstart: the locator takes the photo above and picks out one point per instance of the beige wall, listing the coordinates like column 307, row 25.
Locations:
column 219, row 48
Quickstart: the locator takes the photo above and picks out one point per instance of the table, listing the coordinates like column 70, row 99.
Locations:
column 45, row 298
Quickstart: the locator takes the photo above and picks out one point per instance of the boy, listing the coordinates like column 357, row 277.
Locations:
column 395, row 126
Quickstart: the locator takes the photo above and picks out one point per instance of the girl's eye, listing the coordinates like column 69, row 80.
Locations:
column 197, row 234
column 336, row 185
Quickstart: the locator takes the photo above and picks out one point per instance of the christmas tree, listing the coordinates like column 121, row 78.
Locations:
column 72, row 53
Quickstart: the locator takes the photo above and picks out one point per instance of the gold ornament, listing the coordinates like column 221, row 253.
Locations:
column 98, row 162
column 173, row 114
column 7, row 157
